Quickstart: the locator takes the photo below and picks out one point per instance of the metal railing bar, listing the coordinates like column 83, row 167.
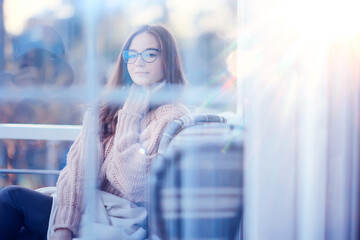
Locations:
column 29, row 171
column 65, row 95
column 39, row 131
column 196, row 95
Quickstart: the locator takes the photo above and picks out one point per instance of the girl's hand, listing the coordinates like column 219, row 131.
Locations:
column 154, row 94
column 153, row 90
column 61, row 234
column 138, row 99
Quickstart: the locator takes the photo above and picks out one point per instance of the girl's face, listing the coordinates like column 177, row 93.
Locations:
column 149, row 71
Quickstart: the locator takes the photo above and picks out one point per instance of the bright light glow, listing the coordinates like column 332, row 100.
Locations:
column 146, row 15
column 142, row 151
column 249, row 61
column 18, row 12
column 188, row 17
column 323, row 19
column 66, row 11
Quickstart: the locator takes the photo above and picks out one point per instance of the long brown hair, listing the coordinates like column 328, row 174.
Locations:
column 173, row 75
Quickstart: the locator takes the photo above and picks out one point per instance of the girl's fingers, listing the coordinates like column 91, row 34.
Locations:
column 138, row 99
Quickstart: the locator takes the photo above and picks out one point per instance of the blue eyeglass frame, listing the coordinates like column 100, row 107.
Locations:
column 140, row 53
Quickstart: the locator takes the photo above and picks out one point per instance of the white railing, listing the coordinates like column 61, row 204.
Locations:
column 39, row 131
column 50, row 132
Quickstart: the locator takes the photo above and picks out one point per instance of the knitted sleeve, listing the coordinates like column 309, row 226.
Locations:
column 133, row 151
column 71, row 180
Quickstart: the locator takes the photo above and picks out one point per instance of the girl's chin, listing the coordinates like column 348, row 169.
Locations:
column 145, row 82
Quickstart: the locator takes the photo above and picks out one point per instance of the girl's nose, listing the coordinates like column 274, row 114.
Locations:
column 139, row 61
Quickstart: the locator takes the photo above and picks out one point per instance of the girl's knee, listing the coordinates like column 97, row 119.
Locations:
column 10, row 192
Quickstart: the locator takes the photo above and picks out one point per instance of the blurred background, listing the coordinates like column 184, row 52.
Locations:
column 42, row 48
column 287, row 71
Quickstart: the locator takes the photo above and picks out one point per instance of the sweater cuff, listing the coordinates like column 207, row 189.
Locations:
column 128, row 121
column 67, row 216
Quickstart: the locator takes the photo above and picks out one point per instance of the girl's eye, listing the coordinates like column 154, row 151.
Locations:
column 151, row 53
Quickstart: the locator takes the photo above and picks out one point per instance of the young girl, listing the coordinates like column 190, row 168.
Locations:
column 128, row 141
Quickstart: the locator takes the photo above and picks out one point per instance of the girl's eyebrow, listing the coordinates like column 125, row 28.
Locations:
column 144, row 49
column 152, row 49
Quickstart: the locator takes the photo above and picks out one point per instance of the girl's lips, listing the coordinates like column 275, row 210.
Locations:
column 142, row 73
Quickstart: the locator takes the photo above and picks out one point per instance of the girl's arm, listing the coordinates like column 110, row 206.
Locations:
column 61, row 234
column 128, row 163
column 71, row 181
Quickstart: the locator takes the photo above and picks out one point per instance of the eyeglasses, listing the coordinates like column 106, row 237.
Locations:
column 149, row 55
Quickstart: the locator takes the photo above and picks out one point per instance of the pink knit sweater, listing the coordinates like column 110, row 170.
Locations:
column 124, row 161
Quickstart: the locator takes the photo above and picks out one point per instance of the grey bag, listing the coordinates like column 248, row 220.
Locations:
column 196, row 183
